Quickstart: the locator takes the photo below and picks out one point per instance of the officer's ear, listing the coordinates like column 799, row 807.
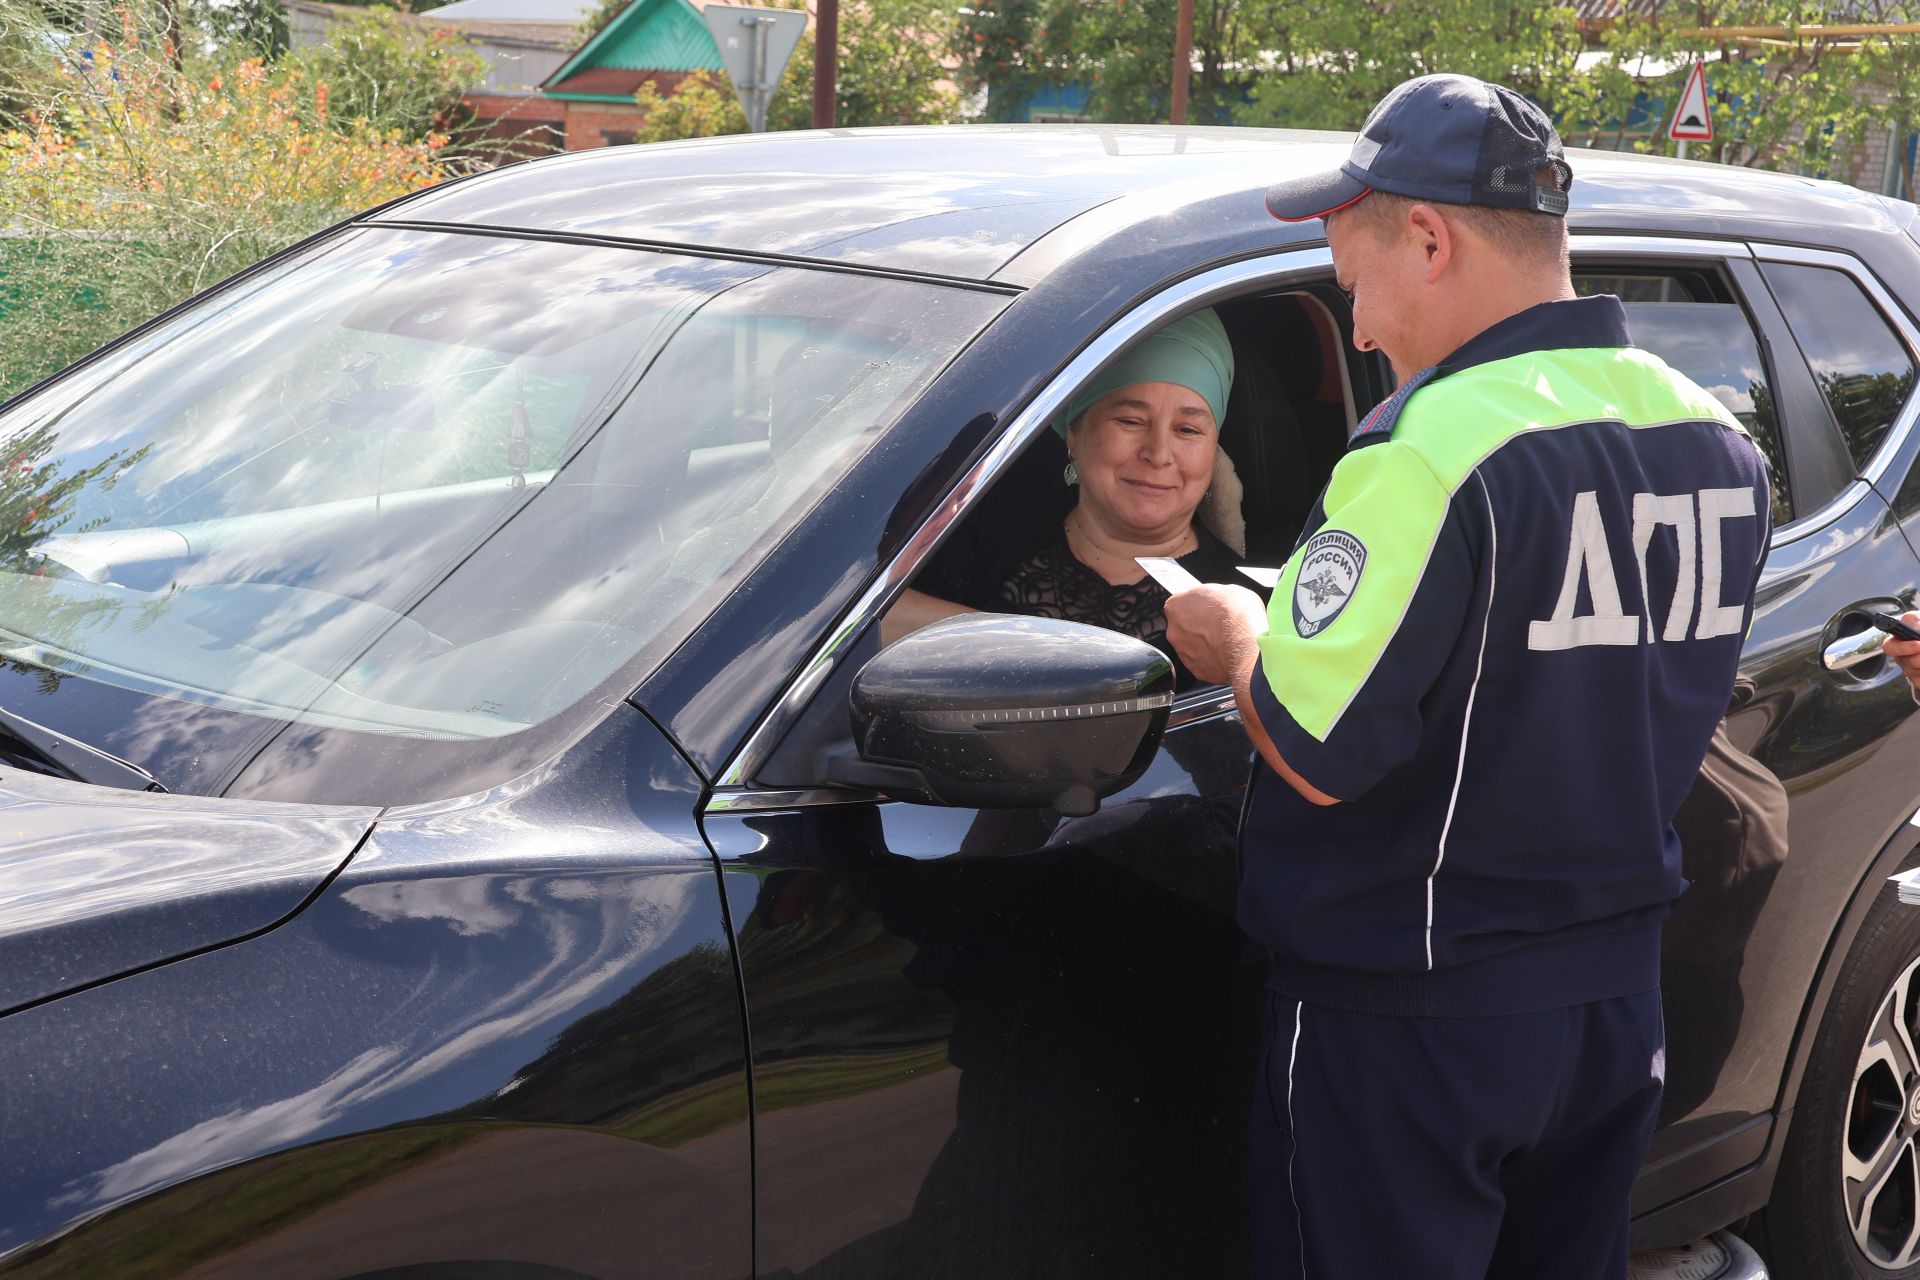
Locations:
column 1433, row 237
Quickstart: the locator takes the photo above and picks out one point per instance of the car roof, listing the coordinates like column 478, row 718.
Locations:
column 1010, row 202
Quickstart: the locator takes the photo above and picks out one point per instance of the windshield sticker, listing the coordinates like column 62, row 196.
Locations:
column 1329, row 573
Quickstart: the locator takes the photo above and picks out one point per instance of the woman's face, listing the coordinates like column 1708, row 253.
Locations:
column 1145, row 454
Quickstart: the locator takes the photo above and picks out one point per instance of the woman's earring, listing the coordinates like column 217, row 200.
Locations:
column 1072, row 474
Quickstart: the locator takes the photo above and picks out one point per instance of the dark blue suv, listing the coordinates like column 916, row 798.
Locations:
column 456, row 819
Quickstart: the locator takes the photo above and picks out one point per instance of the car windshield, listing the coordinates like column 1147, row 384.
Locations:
column 441, row 485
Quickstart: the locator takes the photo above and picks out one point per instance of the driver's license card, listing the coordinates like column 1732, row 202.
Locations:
column 1166, row 571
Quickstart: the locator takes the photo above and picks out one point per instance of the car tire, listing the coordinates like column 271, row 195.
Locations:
column 1853, row 1151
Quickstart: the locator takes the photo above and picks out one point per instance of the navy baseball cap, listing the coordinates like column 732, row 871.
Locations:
column 1447, row 138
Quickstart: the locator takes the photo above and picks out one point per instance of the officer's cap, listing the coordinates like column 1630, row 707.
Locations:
column 1446, row 138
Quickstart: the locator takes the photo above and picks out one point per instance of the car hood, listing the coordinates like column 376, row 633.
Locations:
column 95, row 883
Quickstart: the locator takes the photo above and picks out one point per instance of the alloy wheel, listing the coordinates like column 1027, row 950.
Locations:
column 1880, row 1152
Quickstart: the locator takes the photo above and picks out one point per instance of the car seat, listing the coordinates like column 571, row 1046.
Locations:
column 1312, row 386
column 1261, row 433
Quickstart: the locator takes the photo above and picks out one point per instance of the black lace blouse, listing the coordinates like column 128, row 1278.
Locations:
column 1040, row 577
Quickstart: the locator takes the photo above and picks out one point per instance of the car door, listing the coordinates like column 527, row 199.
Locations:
column 1798, row 796
column 983, row 1038
column 989, row 1042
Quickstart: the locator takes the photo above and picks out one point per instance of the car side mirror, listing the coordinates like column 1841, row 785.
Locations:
column 992, row 711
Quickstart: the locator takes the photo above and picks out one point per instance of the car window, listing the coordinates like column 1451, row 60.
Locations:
column 1862, row 367
column 441, row 485
column 1675, row 316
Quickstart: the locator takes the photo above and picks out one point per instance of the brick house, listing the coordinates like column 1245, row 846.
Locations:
column 650, row 41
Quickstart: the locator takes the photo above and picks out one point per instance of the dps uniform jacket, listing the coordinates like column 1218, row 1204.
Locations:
column 1505, row 639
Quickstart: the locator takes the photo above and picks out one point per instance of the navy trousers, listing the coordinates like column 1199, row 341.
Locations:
column 1452, row 1148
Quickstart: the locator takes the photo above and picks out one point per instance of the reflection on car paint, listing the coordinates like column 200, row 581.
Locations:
column 98, row 882
column 1032, row 1010
column 496, row 1048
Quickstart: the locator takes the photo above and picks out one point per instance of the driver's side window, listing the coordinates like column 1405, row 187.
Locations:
column 1125, row 473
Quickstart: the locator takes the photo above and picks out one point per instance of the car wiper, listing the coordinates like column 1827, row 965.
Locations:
column 70, row 757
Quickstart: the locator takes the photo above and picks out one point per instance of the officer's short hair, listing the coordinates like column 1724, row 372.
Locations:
column 1538, row 238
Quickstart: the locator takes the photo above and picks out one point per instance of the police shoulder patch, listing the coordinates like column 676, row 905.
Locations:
column 1330, row 567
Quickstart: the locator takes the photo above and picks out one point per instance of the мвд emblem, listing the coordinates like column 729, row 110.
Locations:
column 1329, row 571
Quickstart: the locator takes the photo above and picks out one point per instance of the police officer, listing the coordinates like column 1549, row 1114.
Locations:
column 1484, row 685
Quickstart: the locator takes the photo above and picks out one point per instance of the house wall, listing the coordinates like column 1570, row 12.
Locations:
column 306, row 26
column 516, row 125
column 590, row 123
column 518, row 68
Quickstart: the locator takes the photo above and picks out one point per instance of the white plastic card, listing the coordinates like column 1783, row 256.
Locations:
column 1166, row 571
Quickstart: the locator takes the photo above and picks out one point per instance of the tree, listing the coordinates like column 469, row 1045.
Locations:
column 890, row 73
column 1891, row 65
column 599, row 15
column 1332, row 62
column 391, row 72
column 704, row 105
column 130, row 184
column 1119, row 51
column 1799, row 103
column 256, row 28
column 890, row 68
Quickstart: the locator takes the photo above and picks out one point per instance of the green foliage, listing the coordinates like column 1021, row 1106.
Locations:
column 602, row 12
column 889, row 73
column 1798, row 104
column 890, row 70
column 1120, row 50
column 27, row 65
column 1336, row 60
column 1893, row 67
column 36, row 500
column 249, row 27
column 132, row 177
column 389, row 72
column 704, row 105
column 183, row 1227
column 1801, row 103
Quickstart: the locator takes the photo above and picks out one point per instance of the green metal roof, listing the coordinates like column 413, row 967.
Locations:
column 648, row 35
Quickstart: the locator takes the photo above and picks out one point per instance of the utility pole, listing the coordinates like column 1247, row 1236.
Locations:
column 826, row 62
column 1182, row 60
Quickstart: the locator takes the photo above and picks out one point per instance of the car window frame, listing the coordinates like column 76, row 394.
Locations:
column 1807, row 427
column 1806, row 452
column 734, row 788
column 1819, row 469
column 1869, row 476
column 539, row 744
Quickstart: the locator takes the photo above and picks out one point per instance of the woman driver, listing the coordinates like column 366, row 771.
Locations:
column 1143, row 446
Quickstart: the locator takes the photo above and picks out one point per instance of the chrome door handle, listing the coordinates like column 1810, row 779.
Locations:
column 1851, row 651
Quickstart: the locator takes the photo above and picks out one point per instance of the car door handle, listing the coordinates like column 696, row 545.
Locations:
column 1851, row 651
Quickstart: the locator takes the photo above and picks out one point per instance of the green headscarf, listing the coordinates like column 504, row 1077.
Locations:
column 1193, row 351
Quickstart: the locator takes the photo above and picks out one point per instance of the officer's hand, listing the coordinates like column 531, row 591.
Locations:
column 1215, row 628
column 1906, row 652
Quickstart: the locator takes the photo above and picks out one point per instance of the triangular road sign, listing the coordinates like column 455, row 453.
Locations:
column 754, row 47
column 1693, row 122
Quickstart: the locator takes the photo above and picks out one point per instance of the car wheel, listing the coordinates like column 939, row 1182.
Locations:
column 1846, row 1203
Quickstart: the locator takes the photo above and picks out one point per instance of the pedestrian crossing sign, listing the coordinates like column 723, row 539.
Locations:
column 1693, row 122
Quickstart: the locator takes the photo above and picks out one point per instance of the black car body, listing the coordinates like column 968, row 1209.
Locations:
column 637, row 989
